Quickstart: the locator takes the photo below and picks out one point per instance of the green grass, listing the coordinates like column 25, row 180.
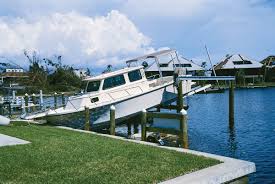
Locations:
column 63, row 156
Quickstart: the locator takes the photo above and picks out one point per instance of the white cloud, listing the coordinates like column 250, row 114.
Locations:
column 80, row 39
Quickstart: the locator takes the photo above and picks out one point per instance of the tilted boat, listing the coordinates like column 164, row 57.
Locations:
column 127, row 89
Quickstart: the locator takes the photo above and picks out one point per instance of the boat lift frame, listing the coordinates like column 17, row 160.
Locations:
column 217, row 78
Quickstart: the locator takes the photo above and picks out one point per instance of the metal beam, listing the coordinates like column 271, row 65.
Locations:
column 205, row 78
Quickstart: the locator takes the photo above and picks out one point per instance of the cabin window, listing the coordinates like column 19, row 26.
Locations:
column 93, row 86
column 163, row 65
column 134, row 75
column 93, row 100
column 113, row 82
column 245, row 62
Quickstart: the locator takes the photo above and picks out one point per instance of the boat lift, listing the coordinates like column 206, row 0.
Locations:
column 217, row 78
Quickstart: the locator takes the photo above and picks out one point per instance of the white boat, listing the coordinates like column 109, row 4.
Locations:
column 127, row 89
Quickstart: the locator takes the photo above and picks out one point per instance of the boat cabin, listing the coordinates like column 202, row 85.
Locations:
column 113, row 80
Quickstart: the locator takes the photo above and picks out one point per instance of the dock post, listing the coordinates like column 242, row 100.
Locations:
column 26, row 99
column 180, row 97
column 23, row 105
column 87, row 118
column 231, row 103
column 9, row 108
column 129, row 129
column 143, row 125
column 1, row 109
column 183, row 129
column 55, row 100
column 13, row 97
column 63, row 99
column 34, row 102
column 41, row 99
column 112, row 120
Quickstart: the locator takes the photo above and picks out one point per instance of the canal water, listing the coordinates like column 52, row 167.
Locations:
column 252, row 137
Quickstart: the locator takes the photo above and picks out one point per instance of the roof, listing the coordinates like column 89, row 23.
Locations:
column 237, row 61
column 152, row 55
column 269, row 61
column 114, row 73
column 192, row 66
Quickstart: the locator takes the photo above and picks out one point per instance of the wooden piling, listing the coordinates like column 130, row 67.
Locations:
column 180, row 97
column 1, row 109
column 63, row 99
column 143, row 125
column 9, row 108
column 41, row 99
column 34, row 102
column 183, row 129
column 55, row 100
column 26, row 99
column 231, row 103
column 129, row 129
column 112, row 120
column 87, row 118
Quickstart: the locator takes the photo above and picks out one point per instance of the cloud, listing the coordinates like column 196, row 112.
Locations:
column 80, row 39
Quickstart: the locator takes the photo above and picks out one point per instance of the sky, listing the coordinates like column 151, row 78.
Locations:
column 95, row 33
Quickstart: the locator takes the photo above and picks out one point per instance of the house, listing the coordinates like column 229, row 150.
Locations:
column 15, row 70
column 168, row 63
column 235, row 65
column 269, row 68
column 269, row 62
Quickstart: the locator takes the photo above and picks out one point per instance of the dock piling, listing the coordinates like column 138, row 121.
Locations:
column 26, row 99
column 180, row 96
column 55, row 100
column 63, row 99
column 143, row 125
column 34, row 102
column 112, row 120
column 231, row 103
column 87, row 118
column 183, row 129
column 41, row 99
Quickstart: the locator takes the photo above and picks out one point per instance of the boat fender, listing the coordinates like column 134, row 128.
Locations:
column 4, row 120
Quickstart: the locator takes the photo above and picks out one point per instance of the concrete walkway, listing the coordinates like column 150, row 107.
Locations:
column 6, row 140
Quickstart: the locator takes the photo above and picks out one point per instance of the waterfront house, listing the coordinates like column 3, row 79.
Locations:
column 236, row 65
column 167, row 66
column 269, row 68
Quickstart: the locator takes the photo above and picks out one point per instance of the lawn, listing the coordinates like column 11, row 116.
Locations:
column 63, row 156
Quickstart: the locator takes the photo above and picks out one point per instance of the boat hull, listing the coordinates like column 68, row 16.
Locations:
column 100, row 116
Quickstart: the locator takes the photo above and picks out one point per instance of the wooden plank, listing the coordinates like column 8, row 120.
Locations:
column 162, row 115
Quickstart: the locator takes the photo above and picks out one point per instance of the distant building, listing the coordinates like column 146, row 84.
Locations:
column 81, row 72
column 167, row 66
column 239, row 65
column 269, row 62
column 269, row 68
column 15, row 70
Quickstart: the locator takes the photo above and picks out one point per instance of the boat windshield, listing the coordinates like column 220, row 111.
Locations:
column 93, row 86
